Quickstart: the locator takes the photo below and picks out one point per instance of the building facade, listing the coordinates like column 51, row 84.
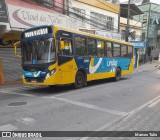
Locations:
column 97, row 16
column 134, row 31
column 150, row 28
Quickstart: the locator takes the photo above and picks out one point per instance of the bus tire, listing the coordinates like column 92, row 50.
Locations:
column 79, row 80
column 117, row 74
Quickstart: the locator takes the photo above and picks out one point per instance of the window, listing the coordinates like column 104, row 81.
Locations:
column 38, row 51
column 101, row 21
column 67, row 50
column 80, row 14
column 110, row 23
column 130, row 51
column 123, row 50
column 108, row 51
column 92, row 48
column 116, row 50
column 123, row 34
column 100, row 48
column 80, row 46
column 47, row 3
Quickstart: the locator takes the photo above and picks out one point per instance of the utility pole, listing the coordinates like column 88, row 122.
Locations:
column 147, row 42
column 128, row 17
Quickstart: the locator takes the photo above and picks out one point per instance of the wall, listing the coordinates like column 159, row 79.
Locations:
column 92, row 7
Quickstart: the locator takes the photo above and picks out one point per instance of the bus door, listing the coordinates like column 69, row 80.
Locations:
column 65, row 57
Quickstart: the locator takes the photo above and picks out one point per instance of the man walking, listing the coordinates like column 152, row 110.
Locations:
column 150, row 59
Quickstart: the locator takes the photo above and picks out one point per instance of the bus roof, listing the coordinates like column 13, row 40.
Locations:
column 93, row 35
column 80, row 32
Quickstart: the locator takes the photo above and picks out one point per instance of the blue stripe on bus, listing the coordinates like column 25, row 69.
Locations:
column 102, row 64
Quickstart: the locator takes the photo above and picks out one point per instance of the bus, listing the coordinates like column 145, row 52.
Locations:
column 53, row 55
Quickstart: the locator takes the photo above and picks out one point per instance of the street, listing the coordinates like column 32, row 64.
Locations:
column 99, row 106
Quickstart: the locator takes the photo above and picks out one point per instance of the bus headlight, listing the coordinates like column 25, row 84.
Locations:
column 50, row 73
column 53, row 71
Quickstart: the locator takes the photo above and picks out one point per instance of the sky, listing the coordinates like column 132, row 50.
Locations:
column 153, row 1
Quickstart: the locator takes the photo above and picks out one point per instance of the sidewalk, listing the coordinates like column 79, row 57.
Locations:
column 146, row 119
column 147, row 66
column 9, row 85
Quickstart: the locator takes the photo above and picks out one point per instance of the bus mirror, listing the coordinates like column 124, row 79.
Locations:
column 62, row 45
column 15, row 49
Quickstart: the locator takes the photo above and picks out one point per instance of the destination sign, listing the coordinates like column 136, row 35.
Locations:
column 36, row 32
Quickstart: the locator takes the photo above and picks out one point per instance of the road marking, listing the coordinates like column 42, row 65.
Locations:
column 91, row 106
column 13, row 88
column 8, row 127
column 154, row 103
column 27, row 120
column 9, row 92
column 18, row 88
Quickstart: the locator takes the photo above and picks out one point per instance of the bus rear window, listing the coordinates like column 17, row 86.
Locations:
column 130, row 51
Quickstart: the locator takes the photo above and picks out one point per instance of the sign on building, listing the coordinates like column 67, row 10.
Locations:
column 21, row 17
column 108, row 34
column 138, row 44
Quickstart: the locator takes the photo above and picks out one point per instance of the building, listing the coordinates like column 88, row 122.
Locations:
column 135, row 30
column 150, row 28
column 97, row 16
column 134, row 25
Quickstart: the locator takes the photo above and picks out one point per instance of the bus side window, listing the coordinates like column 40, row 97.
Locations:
column 67, row 49
column 130, row 51
column 116, row 50
column 108, row 49
column 92, row 48
column 80, row 46
column 124, row 50
column 100, row 48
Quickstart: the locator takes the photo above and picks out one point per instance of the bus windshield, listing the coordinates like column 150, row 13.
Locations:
column 38, row 51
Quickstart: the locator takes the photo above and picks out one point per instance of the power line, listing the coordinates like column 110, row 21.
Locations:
column 82, row 16
column 89, row 21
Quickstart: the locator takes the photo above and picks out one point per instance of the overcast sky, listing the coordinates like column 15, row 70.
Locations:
column 154, row 1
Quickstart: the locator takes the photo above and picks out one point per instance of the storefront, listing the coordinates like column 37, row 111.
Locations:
column 10, row 69
column 11, row 65
column 139, row 52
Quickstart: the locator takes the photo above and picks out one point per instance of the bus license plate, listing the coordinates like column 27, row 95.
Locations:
column 33, row 81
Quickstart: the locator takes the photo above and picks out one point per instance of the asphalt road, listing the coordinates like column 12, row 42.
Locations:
column 92, row 108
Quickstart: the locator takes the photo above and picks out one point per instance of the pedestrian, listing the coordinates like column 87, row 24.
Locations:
column 150, row 59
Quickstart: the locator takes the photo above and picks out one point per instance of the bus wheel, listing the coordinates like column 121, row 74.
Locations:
column 79, row 80
column 118, row 74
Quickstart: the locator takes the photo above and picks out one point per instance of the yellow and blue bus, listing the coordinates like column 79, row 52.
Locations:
column 53, row 55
